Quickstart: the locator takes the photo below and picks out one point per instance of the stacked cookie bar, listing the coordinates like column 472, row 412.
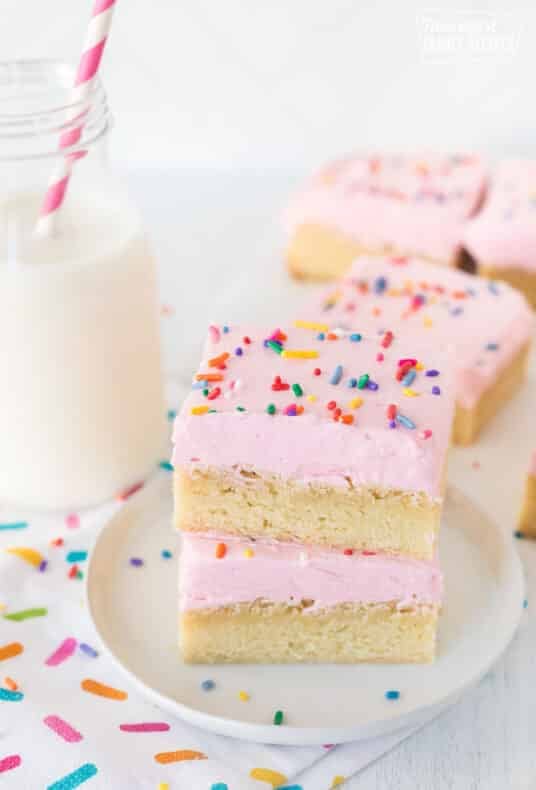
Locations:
column 309, row 467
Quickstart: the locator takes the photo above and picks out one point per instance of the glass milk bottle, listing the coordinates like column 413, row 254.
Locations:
column 81, row 404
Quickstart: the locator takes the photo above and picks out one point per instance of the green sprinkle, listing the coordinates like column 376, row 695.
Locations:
column 166, row 465
column 278, row 717
column 26, row 614
column 297, row 390
column 171, row 414
column 363, row 381
column 79, row 575
column 274, row 346
column 205, row 392
column 240, row 408
column 76, row 556
column 166, row 554
column 271, row 408
column 211, row 411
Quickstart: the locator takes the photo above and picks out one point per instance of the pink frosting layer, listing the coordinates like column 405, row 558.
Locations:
column 311, row 446
column 504, row 232
column 290, row 573
column 417, row 204
column 485, row 323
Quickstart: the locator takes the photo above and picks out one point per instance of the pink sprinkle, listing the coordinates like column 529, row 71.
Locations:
column 10, row 762
column 72, row 521
column 380, row 357
column 146, row 726
column 426, row 434
column 404, row 361
column 122, row 496
column 64, row 730
column 476, row 464
column 64, row 651
column 214, row 334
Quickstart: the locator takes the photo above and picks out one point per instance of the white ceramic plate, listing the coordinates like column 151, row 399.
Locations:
column 135, row 612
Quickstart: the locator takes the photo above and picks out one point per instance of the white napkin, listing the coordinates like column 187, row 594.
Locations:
column 32, row 755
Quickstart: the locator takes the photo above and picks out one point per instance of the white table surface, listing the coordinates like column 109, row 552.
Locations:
column 218, row 239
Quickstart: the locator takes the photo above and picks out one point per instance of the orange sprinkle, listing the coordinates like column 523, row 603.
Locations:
column 10, row 650
column 221, row 551
column 347, row 419
column 332, row 336
column 459, row 295
column 215, row 362
column 299, row 409
column 376, row 311
column 179, row 756
column 94, row 687
column 209, row 377
column 10, row 684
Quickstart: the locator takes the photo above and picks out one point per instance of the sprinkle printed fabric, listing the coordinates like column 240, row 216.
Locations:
column 71, row 719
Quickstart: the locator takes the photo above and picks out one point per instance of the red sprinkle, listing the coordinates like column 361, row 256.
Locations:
column 221, row 551
column 403, row 369
column 331, row 404
column 278, row 385
column 368, row 553
column 122, row 496
column 387, row 339
column 337, row 413
column 57, row 542
column 317, row 372
column 73, row 572
column 215, row 393
column 348, row 552
column 391, row 411
column 246, row 340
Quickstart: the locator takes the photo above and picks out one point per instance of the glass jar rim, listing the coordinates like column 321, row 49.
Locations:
column 38, row 105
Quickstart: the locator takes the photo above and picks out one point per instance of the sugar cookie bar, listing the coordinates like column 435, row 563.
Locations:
column 377, row 205
column 319, row 437
column 500, row 242
column 527, row 518
column 488, row 324
column 245, row 601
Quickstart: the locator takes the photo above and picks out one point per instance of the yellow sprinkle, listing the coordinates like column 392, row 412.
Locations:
column 311, row 398
column 29, row 555
column 289, row 354
column 428, row 322
column 248, row 553
column 409, row 393
column 311, row 325
column 337, row 781
column 163, row 785
column 199, row 410
column 243, row 695
column 267, row 775
column 419, row 366
column 355, row 403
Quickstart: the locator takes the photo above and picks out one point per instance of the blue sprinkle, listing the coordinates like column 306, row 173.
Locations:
column 13, row 525
column 492, row 286
column 290, row 787
column 171, row 414
column 238, row 351
column 76, row 556
column 436, row 391
column 380, row 284
column 518, row 534
column 166, row 465
column 392, row 694
column 352, row 383
column 405, row 421
column 225, row 330
column 409, row 378
column 207, row 685
column 88, row 650
column 75, row 778
column 321, row 336
column 492, row 346
column 166, row 554
column 371, row 385
column 336, row 376
column 199, row 385
column 525, row 603
column 432, row 373
column 10, row 696
column 219, row 786
column 355, row 337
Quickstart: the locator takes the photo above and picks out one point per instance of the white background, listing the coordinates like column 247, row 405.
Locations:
column 220, row 107
column 272, row 82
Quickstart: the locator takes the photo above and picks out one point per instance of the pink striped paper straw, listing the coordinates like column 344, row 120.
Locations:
column 96, row 37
